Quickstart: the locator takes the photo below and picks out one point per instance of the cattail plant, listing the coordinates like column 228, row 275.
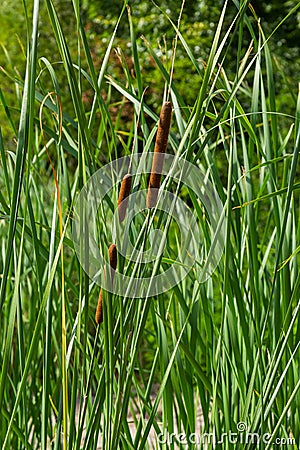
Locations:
column 123, row 196
column 161, row 143
column 113, row 260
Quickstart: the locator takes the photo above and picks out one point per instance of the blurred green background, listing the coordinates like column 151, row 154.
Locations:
column 99, row 17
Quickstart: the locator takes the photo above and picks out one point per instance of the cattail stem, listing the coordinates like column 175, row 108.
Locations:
column 161, row 143
column 113, row 260
column 123, row 196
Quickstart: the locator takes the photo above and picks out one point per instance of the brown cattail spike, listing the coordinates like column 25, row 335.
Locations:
column 113, row 256
column 123, row 196
column 99, row 310
column 113, row 259
column 161, row 143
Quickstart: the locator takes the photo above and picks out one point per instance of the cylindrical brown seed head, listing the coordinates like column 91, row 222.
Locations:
column 99, row 310
column 161, row 143
column 113, row 256
column 124, row 193
column 163, row 130
column 113, row 260
column 154, row 181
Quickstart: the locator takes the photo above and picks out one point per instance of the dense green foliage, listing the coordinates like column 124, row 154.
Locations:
column 198, row 25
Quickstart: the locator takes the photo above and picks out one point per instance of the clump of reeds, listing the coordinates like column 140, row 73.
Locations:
column 113, row 260
column 161, row 143
column 123, row 196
